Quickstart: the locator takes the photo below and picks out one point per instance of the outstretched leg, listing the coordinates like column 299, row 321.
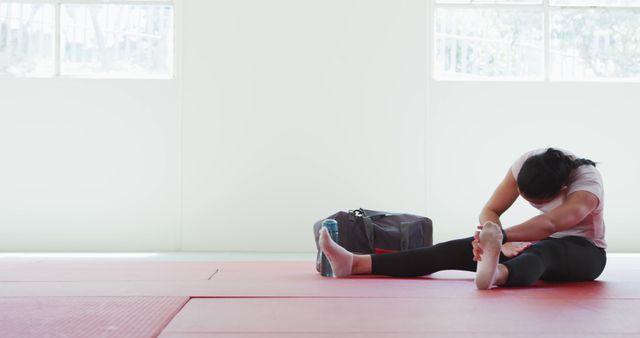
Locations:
column 451, row 255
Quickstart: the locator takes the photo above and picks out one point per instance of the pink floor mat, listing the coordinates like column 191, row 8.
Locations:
column 299, row 279
column 86, row 316
column 42, row 271
column 281, row 279
column 391, row 335
column 406, row 316
column 290, row 299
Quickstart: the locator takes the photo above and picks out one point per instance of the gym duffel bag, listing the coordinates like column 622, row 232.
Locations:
column 365, row 231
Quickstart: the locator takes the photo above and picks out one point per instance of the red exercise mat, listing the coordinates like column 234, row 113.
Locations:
column 86, row 316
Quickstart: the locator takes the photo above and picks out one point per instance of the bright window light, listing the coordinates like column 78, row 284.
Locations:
column 598, row 3
column 575, row 40
column 89, row 38
column 488, row 43
column 588, row 44
column 27, row 37
column 116, row 40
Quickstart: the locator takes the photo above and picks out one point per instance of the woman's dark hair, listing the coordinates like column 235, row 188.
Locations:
column 542, row 176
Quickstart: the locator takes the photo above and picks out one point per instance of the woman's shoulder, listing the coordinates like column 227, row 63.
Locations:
column 586, row 178
column 585, row 173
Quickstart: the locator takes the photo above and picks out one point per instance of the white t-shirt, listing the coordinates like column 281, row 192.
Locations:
column 584, row 178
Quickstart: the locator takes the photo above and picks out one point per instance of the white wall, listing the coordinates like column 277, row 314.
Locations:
column 295, row 109
column 88, row 165
column 285, row 111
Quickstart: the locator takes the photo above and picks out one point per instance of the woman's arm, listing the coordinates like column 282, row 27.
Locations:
column 577, row 206
column 503, row 197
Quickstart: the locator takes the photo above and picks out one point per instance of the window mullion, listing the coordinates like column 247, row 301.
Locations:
column 547, row 41
column 56, row 48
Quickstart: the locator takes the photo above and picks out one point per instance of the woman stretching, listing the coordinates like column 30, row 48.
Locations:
column 568, row 235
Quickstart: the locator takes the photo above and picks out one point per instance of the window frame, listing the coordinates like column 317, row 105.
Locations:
column 57, row 4
column 546, row 8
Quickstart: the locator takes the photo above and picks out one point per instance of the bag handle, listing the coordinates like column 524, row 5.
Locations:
column 368, row 229
column 358, row 215
column 361, row 215
column 404, row 235
column 372, row 214
column 353, row 214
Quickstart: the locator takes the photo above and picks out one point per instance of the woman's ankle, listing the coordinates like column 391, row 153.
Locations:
column 361, row 265
column 502, row 275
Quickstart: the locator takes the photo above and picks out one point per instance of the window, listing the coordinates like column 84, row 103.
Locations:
column 27, row 35
column 537, row 39
column 127, row 39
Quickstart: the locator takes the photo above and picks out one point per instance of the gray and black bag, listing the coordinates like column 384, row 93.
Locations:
column 365, row 231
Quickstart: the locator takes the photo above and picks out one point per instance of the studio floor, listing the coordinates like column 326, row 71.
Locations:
column 267, row 295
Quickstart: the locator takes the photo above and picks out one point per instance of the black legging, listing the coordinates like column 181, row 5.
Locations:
column 567, row 259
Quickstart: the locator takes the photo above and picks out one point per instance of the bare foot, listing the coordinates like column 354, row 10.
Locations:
column 491, row 243
column 341, row 260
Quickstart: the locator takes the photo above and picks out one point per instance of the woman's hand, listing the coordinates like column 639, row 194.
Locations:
column 477, row 250
column 512, row 249
column 509, row 249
